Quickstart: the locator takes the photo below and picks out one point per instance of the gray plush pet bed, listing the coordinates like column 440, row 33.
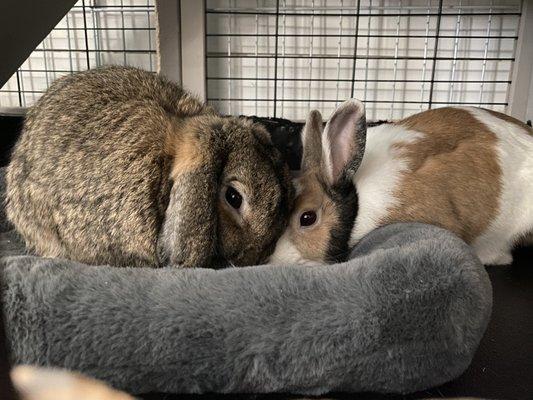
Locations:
column 405, row 313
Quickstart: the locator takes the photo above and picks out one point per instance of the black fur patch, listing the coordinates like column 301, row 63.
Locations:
column 344, row 195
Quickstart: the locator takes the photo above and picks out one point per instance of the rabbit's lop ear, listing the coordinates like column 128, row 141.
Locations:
column 312, row 141
column 343, row 141
column 188, row 235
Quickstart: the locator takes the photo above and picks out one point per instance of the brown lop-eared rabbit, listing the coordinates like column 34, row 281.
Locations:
column 466, row 169
column 120, row 166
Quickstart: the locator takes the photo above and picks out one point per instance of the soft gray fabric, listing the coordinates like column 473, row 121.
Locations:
column 406, row 313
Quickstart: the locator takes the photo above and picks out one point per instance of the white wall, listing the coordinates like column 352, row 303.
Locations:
column 529, row 113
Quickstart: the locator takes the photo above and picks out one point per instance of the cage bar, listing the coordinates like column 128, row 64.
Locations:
column 424, row 64
column 485, row 52
column 84, row 39
column 275, row 61
column 356, row 37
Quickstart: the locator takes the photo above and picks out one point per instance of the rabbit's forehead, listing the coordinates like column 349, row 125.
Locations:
column 309, row 188
column 256, row 170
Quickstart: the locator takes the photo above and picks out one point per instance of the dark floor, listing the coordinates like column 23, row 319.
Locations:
column 503, row 365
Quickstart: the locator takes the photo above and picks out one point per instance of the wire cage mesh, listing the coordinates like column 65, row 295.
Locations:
column 281, row 58
column 93, row 33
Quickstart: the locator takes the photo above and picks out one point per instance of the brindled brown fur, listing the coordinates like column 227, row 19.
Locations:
column 120, row 166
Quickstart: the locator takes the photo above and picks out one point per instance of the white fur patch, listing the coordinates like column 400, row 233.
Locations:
column 515, row 215
column 286, row 253
column 378, row 176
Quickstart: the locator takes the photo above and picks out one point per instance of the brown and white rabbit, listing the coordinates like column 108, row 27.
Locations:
column 120, row 166
column 466, row 169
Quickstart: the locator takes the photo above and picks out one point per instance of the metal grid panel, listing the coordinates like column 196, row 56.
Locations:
column 93, row 33
column 282, row 57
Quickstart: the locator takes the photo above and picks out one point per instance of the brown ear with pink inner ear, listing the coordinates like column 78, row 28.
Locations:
column 343, row 142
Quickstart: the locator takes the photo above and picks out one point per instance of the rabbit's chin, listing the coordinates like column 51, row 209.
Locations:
column 286, row 253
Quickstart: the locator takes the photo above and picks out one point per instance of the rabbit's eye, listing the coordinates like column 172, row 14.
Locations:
column 308, row 218
column 233, row 198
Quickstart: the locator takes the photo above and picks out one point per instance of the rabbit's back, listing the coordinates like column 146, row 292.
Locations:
column 88, row 178
column 465, row 169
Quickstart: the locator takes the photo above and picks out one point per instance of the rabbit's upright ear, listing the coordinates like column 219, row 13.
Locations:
column 312, row 141
column 343, row 141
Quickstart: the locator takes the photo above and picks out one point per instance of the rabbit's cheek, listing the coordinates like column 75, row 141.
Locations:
column 229, row 234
